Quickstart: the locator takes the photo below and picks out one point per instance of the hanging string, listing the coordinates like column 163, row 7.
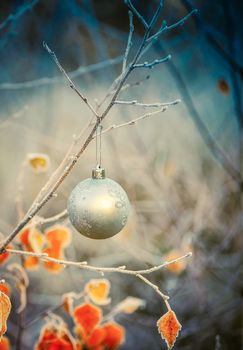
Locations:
column 100, row 126
column 98, row 146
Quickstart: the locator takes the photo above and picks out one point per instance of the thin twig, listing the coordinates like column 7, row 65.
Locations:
column 165, row 27
column 135, row 11
column 155, row 104
column 84, row 266
column 153, row 63
column 72, row 85
column 124, row 87
column 55, row 80
column 134, row 121
column 129, row 41
column 19, row 13
column 121, row 269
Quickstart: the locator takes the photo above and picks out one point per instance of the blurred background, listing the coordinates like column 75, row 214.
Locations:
column 183, row 196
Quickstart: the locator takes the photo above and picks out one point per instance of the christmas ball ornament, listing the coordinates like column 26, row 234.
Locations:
column 98, row 207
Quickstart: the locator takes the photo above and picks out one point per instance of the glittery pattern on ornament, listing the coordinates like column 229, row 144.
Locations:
column 98, row 208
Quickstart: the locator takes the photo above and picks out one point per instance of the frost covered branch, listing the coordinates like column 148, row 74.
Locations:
column 72, row 85
column 73, row 74
column 120, row 269
column 156, row 104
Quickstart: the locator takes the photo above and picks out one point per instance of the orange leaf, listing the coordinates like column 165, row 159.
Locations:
column 4, row 344
column 5, row 256
column 176, row 267
column 58, row 236
column 114, row 335
column 54, row 339
column 98, row 291
column 169, row 327
column 5, row 307
column 33, row 240
column 87, row 316
column 38, row 162
column 5, row 288
column 31, row 262
column 52, row 266
column 36, row 240
column 96, row 338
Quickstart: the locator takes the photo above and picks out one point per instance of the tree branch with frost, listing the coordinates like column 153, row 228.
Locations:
column 19, row 13
column 72, row 85
column 125, row 87
column 164, row 27
column 136, row 13
column 153, row 63
column 133, row 121
column 55, row 80
column 155, row 104
column 129, row 41
column 120, row 269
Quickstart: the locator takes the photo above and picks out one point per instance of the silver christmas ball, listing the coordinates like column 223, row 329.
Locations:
column 98, row 207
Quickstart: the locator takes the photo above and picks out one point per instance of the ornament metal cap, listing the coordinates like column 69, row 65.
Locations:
column 98, row 172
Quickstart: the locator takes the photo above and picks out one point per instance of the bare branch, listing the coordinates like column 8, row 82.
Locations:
column 135, row 11
column 153, row 63
column 55, row 80
column 156, row 15
column 134, row 121
column 156, row 104
column 83, row 265
column 72, row 85
column 124, row 87
column 19, row 13
column 165, row 27
column 129, row 41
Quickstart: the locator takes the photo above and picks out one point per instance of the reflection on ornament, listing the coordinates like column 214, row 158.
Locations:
column 98, row 207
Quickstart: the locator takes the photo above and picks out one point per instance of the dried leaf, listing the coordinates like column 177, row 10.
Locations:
column 58, row 236
column 38, row 162
column 67, row 301
column 32, row 240
column 5, row 307
column 129, row 305
column 50, row 265
column 36, row 240
column 114, row 336
column 98, row 291
column 96, row 338
column 53, row 337
column 5, row 256
column 176, row 267
column 4, row 344
column 5, row 288
column 87, row 316
column 169, row 327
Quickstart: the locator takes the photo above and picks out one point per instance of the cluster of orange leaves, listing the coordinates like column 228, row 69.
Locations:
column 90, row 331
column 53, row 242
